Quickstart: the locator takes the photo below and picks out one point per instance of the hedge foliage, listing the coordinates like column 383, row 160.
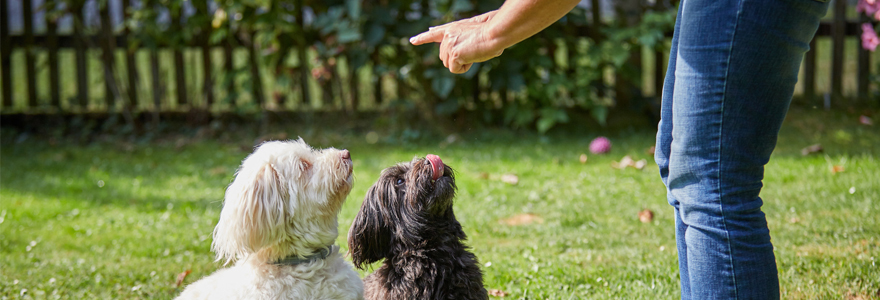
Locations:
column 533, row 84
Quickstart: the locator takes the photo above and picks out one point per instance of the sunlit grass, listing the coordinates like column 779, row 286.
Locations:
column 118, row 220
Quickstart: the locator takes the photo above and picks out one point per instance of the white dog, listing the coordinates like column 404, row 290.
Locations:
column 279, row 225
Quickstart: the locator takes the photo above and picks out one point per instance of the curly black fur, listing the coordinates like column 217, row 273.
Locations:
column 407, row 219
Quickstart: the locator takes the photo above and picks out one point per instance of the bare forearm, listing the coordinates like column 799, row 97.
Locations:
column 518, row 20
column 483, row 37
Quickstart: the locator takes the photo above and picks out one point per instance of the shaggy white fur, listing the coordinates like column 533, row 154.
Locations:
column 283, row 202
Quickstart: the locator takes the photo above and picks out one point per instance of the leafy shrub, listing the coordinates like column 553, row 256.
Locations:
column 532, row 85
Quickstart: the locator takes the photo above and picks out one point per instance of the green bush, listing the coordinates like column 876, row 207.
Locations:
column 534, row 84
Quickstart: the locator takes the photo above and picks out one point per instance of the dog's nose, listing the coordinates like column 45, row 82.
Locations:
column 346, row 154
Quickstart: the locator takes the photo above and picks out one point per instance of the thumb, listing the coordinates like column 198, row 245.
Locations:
column 432, row 36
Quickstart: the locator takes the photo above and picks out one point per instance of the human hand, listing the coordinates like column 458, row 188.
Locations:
column 462, row 42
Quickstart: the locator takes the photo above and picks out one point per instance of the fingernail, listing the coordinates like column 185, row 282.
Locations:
column 412, row 39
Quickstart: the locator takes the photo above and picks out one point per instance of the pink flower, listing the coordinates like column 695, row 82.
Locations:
column 869, row 7
column 869, row 37
column 600, row 145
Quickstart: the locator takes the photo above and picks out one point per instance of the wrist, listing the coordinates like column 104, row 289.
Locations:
column 497, row 37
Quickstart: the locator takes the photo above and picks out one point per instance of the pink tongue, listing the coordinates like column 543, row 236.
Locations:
column 436, row 166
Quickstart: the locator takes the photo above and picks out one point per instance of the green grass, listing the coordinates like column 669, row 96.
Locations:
column 119, row 220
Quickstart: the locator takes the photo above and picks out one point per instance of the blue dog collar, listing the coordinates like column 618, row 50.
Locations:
column 297, row 260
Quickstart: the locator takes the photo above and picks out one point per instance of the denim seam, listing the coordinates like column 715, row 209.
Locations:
column 721, row 148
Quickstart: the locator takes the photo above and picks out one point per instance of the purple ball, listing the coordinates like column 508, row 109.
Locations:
column 600, row 145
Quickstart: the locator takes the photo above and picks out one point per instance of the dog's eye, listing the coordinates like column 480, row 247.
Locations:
column 399, row 181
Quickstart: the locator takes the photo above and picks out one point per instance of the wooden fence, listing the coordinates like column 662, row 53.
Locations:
column 119, row 86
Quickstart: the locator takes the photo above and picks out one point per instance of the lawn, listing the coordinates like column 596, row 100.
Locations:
column 120, row 219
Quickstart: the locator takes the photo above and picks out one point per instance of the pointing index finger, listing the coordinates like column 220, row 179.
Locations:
column 435, row 35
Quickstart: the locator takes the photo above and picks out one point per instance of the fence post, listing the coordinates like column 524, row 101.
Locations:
column 30, row 65
column 377, row 77
column 228, row 62
column 810, row 71
column 156, row 84
column 79, row 44
column 5, row 53
column 864, row 67
column 257, row 82
column 336, row 84
column 659, row 59
column 403, row 89
column 353, row 84
column 838, row 33
column 179, row 72
column 108, row 45
column 52, row 45
column 130, row 61
column 302, row 56
column 596, row 11
column 205, row 39
column 475, row 83
column 627, row 78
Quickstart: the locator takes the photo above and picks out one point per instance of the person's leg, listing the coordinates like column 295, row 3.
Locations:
column 661, row 155
column 735, row 68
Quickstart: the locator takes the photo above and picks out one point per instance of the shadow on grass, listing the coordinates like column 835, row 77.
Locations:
column 839, row 133
column 150, row 175
column 147, row 178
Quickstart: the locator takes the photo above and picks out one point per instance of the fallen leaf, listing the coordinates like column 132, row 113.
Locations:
column 583, row 158
column 865, row 120
column 484, row 175
column 837, row 169
column 646, row 216
column 626, row 161
column 510, row 179
column 640, row 164
column 650, row 151
column 815, row 148
column 182, row 276
column 523, row 219
column 497, row 293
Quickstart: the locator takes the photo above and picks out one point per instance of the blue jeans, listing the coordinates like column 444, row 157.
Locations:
column 732, row 71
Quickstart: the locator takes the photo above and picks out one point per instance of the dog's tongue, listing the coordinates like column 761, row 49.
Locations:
column 436, row 166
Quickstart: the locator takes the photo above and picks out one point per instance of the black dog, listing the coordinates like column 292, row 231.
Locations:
column 407, row 219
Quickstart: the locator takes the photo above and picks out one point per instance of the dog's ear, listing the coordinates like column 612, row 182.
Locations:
column 253, row 214
column 369, row 238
